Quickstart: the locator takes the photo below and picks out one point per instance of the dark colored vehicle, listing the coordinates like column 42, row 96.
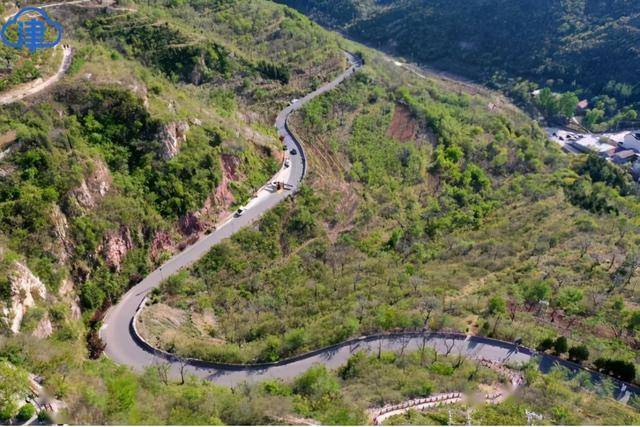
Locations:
column 293, row 152
column 284, row 148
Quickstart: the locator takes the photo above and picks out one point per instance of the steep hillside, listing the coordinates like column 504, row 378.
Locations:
column 158, row 131
column 468, row 221
column 586, row 46
column 427, row 205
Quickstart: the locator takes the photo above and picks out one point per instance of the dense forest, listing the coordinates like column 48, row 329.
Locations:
column 587, row 47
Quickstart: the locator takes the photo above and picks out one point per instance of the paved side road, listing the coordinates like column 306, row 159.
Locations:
column 470, row 347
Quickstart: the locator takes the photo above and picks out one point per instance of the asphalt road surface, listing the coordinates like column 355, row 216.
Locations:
column 125, row 347
column 122, row 346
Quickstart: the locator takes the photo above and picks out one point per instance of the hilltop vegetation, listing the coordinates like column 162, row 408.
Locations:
column 424, row 207
column 474, row 223
column 588, row 47
column 139, row 150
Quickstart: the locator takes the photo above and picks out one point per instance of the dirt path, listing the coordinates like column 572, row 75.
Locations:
column 36, row 86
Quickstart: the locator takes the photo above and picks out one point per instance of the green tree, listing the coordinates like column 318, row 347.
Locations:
column 560, row 346
column 567, row 104
column 579, row 353
column 536, row 291
column 545, row 345
column 497, row 308
column 26, row 412
column 14, row 385
column 317, row 384
column 570, row 300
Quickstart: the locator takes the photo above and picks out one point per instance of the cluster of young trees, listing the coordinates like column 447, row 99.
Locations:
column 163, row 47
column 14, row 387
column 557, row 105
column 270, row 70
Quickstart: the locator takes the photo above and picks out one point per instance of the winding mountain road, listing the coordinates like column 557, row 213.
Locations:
column 122, row 345
column 125, row 346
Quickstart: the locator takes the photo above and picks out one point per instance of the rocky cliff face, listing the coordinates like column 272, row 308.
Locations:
column 115, row 247
column 26, row 290
column 217, row 204
column 62, row 247
column 223, row 197
column 161, row 241
column 171, row 136
column 93, row 187
column 191, row 224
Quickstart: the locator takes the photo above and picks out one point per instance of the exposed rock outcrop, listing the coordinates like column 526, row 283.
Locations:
column 93, row 187
column 142, row 92
column 161, row 242
column 116, row 246
column 63, row 247
column 223, row 196
column 171, row 136
column 66, row 292
column 43, row 329
column 190, row 224
column 26, row 289
column 217, row 204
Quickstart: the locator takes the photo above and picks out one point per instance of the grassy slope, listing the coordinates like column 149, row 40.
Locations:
column 396, row 242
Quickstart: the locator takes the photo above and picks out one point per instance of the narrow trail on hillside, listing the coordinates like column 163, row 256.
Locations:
column 36, row 86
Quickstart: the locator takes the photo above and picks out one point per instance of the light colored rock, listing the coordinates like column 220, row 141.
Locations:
column 142, row 92
column 171, row 136
column 64, row 247
column 26, row 288
column 116, row 246
column 66, row 291
column 93, row 187
column 44, row 329
column 74, row 305
column 66, row 287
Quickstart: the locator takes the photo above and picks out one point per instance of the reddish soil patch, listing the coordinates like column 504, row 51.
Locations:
column 403, row 126
column 7, row 138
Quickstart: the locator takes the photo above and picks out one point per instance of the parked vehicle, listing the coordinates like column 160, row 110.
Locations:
column 240, row 212
column 287, row 163
column 293, row 152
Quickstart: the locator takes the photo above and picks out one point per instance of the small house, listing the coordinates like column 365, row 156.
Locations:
column 632, row 141
column 624, row 156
